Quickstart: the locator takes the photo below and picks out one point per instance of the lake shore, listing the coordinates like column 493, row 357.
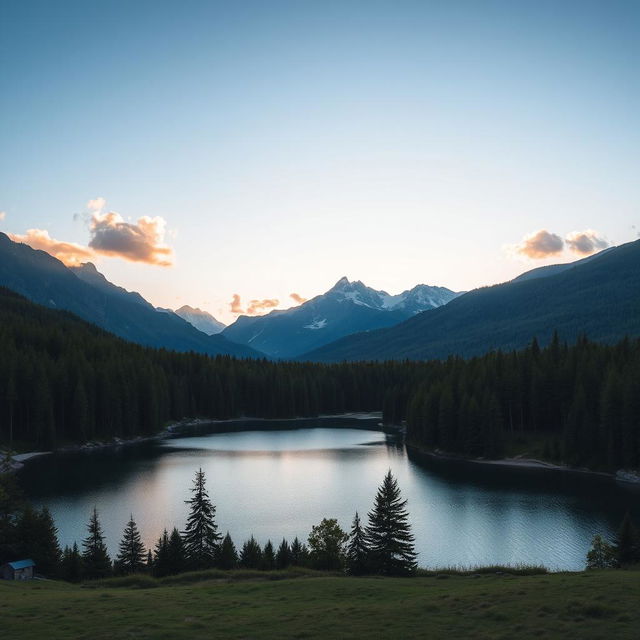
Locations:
column 18, row 460
column 521, row 462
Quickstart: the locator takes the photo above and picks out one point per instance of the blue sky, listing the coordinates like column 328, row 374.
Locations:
column 285, row 144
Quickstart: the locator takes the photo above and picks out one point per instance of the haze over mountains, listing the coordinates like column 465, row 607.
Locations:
column 599, row 297
column 348, row 307
column 87, row 293
column 201, row 320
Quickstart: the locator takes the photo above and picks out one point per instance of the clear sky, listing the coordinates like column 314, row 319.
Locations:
column 264, row 148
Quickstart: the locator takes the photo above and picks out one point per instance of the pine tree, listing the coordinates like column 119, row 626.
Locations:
column 251, row 554
column 268, row 562
column 388, row 533
column 227, row 556
column 131, row 554
column 161, row 556
column 95, row 558
column 357, row 551
column 176, row 558
column 71, row 565
column 201, row 537
column 283, row 556
column 299, row 553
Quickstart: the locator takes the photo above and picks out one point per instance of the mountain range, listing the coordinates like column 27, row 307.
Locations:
column 598, row 296
column 347, row 308
column 86, row 292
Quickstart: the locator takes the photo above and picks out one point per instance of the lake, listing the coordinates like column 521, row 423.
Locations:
column 281, row 481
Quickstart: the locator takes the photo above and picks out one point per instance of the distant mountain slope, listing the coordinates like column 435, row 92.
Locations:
column 599, row 297
column 200, row 319
column 348, row 307
column 87, row 293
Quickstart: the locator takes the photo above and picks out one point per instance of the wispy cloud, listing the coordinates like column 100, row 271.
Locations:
column 256, row 306
column 586, row 242
column 3, row 215
column 97, row 204
column 143, row 241
column 539, row 244
column 69, row 253
column 236, row 304
column 297, row 298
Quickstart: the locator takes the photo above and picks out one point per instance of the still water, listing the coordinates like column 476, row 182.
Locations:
column 281, row 481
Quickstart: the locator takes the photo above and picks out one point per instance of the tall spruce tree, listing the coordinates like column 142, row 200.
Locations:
column 131, row 554
column 227, row 556
column 201, row 537
column 357, row 550
column 95, row 558
column 388, row 533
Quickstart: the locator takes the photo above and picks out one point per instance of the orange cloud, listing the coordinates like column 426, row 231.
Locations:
column 256, row 306
column 539, row 244
column 69, row 253
column 236, row 304
column 297, row 298
column 586, row 242
column 141, row 242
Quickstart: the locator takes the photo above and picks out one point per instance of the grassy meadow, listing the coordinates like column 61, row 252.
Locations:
column 600, row 604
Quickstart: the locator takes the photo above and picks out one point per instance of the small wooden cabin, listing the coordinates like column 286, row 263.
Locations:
column 18, row 570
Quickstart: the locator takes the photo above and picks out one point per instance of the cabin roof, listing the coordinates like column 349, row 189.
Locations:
column 21, row 564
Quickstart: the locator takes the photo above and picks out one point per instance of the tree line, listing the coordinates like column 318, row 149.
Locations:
column 63, row 380
column 383, row 547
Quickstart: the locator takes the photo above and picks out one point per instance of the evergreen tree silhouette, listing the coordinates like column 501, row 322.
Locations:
column 227, row 556
column 95, row 558
column 131, row 553
column 201, row 537
column 388, row 533
column 357, row 551
column 251, row 554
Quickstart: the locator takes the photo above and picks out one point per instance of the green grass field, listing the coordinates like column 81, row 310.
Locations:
column 582, row 605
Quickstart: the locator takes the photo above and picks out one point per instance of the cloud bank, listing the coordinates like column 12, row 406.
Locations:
column 297, row 298
column 544, row 244
column 69, row 253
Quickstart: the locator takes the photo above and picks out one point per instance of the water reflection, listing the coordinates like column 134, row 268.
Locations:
column 281, row 482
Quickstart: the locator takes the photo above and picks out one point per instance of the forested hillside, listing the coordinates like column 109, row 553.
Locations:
column 63, row 380
column 584, row 401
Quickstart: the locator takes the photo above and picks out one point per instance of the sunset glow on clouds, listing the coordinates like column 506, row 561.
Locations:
column 586, row 242
column 254, row 307
column 141, row 242
column 69, row 253
column 296, row 297
column 545, row 244
column 111, row 236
